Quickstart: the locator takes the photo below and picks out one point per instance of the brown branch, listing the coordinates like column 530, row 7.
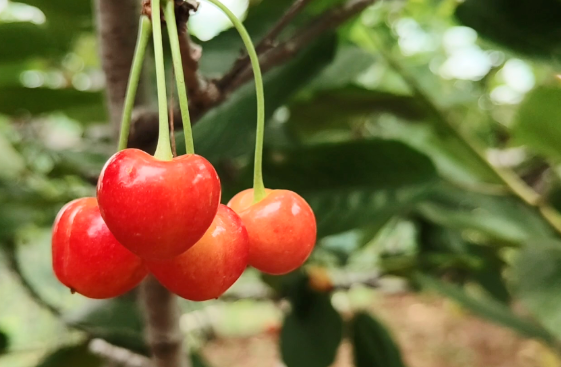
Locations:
column 117, row 31
column 116, row 355
column 144, row 125
column 202, row 92
column 267, row 42
column 161, row 313
column 285, row 51
column 117, row 25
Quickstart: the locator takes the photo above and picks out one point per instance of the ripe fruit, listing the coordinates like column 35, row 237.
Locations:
column 210, row 267
column 86, row 256
column 158, row 209
column 281, row 228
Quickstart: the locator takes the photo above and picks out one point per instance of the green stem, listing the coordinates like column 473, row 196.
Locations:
column 169, row 14
column 163, row 150
column 258, row 186
column 144, row 31
column 506, row 176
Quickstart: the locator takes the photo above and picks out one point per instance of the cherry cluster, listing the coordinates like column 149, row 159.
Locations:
column 162, row 215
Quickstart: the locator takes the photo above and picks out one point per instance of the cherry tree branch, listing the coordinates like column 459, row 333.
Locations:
column 117, row 23
column 144, row 124
column 118, row 356
column 163, row 336
column 267, row 42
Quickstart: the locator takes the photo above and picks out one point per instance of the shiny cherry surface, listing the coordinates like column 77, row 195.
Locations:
column 281, row 227
column 213, row 265
column 158, row 209
column 87, row 258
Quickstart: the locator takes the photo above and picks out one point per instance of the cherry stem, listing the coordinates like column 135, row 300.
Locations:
column 163, row 150
column 258, row 186
column 169, row 15
column 144, row 32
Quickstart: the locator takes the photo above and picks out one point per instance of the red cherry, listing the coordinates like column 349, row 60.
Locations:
column 210, row 267
column 86, row 256
column 158, row 209
column 281, row 227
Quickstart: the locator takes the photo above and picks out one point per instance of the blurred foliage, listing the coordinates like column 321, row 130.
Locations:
column 362, row 123
column 311, row 333
column 373, row 346
column 71, row 356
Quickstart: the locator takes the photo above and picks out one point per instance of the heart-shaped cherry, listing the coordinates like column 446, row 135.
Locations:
column 86, row 256
column 209, row 268
column 281, row 228
column 158, row 209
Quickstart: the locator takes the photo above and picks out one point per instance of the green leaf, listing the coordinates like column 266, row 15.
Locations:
column 373, row 346
column 350, row 61
column 72, row 356
column 312, row 332
column 338, row 114
column 343, row 108
column 229, row 129
column 352, row 185
column 445, row 250
column 16, row 100
column 537, row 280
column 68, row 8
column 526, row 26
column 487, row 308
column 489, row 274
column 537, row 122
column 117, row 321
column 452, row 158
column 503, row 218
column 198, row 361
column 11, row 161
column 27, row 40
column 4, row 342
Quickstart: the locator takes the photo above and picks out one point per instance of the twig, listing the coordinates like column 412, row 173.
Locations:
column 506, row 176
column 163, row 335
column 283, row 22
column 267, row 42
column 283, row 52
column 117, row 355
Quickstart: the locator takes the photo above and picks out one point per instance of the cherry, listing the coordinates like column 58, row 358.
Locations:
column 281, row 228
column 158, row 209
column 86, row 256
column 209, row 268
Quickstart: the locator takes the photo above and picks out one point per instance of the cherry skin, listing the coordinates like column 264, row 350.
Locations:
column 87, row 258
column 158, row 209
column 209, row 268
column 281, row 227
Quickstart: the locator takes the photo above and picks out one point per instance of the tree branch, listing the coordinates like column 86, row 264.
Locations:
column 116, row 355
column 161, row 313
column 117, row 25
column 267, row 42
column 285, row 51
column 117, row 30
column 144, row 123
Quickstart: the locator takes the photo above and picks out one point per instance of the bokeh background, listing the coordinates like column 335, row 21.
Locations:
column 425, row 134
